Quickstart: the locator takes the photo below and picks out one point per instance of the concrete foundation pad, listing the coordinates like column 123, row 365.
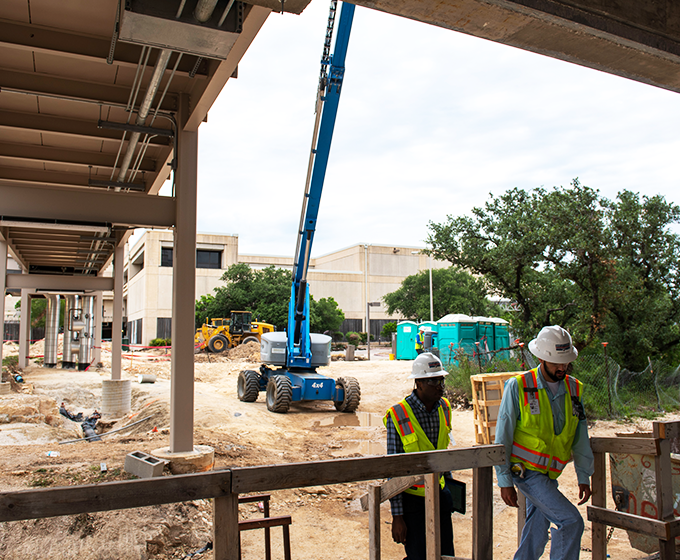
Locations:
column 201, row 459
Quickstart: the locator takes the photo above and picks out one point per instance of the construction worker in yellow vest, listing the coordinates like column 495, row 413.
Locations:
column 420, row 422
column 420, row 340
column 542, row 425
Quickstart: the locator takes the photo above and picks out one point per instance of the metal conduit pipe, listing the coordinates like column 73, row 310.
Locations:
column 66, row 360
column 145, row 107
column 204, row 10
column 87, row 334
column 51, row 330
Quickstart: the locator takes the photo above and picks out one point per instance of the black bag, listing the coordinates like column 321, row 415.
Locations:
column 457, row 490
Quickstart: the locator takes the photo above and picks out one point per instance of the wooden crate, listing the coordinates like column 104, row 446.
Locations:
column 487, row 392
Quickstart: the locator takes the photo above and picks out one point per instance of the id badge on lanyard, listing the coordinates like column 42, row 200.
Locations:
column 532, row 397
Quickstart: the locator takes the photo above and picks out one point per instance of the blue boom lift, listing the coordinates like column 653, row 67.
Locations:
column 298, row 352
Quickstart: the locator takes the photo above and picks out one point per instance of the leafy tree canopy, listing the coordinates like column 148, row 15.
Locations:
column 605, row 270
column 265, row 293
column 454, row 291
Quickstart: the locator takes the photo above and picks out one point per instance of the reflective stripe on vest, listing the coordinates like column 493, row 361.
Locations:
column 535, row 443
column 413, row 437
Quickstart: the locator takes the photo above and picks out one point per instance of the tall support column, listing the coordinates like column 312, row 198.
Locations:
column 117, row 327
column 98, row 319
column 3, row 285
column 184, row 292
column 24, row 327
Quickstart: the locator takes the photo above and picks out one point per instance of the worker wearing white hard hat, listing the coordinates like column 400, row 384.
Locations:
column 421, row 422
column 542, row 424
column 420, row 339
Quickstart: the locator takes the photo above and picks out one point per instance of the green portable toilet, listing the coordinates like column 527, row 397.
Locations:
column 485, row 335
column 406, row 340
column 456, row 332
column 501, row 335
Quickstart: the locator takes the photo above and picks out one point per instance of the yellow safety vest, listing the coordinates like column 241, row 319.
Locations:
column 413, row 438
column 420, row 340
column 535, row 444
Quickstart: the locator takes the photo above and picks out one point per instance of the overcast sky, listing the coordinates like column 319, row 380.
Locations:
column 430, row 122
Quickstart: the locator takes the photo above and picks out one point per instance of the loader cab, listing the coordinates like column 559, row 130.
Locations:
column 240, row 322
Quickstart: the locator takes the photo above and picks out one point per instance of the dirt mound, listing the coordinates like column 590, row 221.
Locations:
column 249, row 352
column 29, row 409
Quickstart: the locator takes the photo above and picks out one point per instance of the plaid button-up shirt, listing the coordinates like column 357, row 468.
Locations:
column 429, row 422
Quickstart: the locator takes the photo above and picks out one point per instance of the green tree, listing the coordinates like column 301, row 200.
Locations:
column 388, row 329
column 266, row 294
column 454, row 291
column 605, row 270
column 325, row 315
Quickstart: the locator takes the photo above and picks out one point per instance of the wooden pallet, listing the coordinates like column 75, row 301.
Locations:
column 487, row 392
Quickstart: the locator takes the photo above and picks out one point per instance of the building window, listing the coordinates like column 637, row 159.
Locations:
column 166, row 256
column 163, row 327
column 208, row 259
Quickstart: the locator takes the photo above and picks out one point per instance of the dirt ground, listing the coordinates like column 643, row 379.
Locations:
column 327, row 521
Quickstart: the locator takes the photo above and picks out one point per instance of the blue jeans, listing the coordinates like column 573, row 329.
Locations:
column 546, row 505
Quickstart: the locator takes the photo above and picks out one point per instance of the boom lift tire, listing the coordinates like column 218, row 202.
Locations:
column 250, row 339
column 248, row 385
column 279, row 393
column 352, row 394
column 218, row 343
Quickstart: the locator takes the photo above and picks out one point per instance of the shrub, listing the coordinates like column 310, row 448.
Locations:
column 388, row 329
column 353, row 338
column 160, row 342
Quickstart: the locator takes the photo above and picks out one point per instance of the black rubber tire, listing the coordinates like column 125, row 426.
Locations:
column 248, row 385
column 218, row 343
column 352, row 394
column 279, row 393
column 250, row 339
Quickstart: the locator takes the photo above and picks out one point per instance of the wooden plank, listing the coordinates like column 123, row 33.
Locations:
column 265, row 522
column 391, row 488
column 298, row 475
column 664, row 488
column 226, row 538
column 254, row 498
column 631, row 445
column 599, row 499
column 374, row 523
column 630, row 522
column 433, row 543
column 482, row 513
column 669, row 430
column 72, row 500
column 521, row 515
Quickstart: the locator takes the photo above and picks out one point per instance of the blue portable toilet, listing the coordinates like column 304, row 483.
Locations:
column 485, row 333
column 456, row 331
column 501, row 335
column 406, row 340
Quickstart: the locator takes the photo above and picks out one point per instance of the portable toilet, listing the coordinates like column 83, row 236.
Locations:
column 501, row 335
column 455, row 331
column 406, row 340
column 485, row 333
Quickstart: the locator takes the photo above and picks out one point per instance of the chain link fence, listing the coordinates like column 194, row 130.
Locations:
column 610, row 391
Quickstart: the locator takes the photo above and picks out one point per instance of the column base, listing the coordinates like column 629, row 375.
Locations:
column 116, row 397
column 201, row 459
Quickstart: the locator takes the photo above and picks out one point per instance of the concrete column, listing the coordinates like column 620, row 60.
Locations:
column 117, row 327
column 24, row 327
column 98, row 319
column 3, row 284
column 184, row 293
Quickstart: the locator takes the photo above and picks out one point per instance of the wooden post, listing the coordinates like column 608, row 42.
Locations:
column 226, row 539
column 433, row 543
column 374, row 522
column 482, row 513
column 267, row 533
column 521, row 515
column 664, row 488
column 599, row 499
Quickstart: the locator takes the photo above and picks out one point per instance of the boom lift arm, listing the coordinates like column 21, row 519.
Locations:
column 327, row 100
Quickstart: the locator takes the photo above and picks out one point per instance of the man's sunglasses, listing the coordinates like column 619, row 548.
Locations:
column 435, row 382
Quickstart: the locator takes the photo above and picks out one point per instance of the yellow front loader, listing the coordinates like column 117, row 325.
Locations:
column 220, row 333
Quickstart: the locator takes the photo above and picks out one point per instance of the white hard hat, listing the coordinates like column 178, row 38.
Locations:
column 553, row 344
column 426, row 365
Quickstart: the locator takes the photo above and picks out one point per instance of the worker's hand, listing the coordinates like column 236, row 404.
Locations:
column 509, row 495
column 583, row 493
column 399, row 529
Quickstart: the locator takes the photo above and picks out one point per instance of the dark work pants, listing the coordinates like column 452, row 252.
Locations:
column 414, row 516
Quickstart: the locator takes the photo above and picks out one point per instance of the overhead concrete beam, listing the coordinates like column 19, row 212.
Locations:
column 78, row 205
column 50, row 282
column 628, row 38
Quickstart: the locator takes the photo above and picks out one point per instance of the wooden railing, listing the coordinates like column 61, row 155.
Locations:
column 666, row 528
column 224, row 487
